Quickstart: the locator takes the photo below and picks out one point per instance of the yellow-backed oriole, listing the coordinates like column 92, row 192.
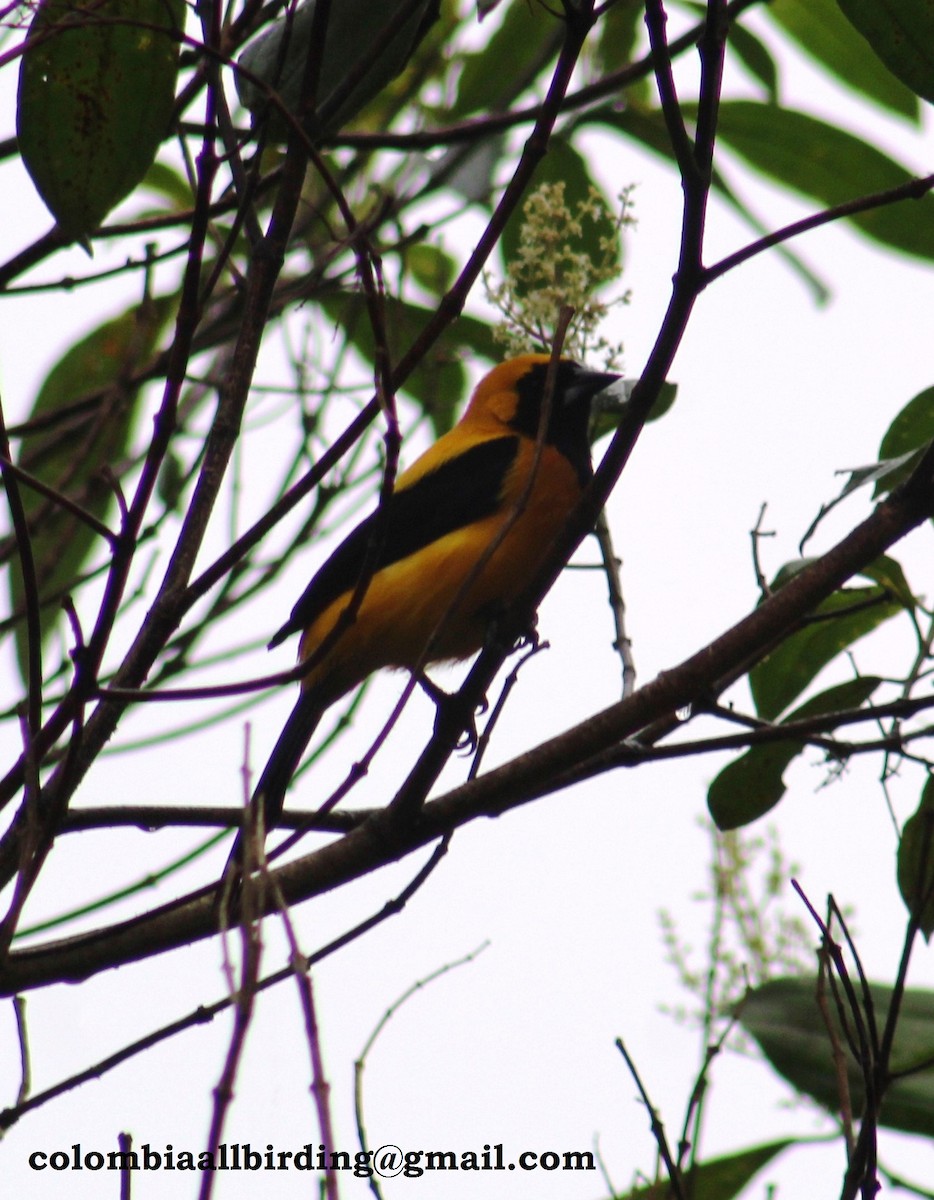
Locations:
column 506, row 476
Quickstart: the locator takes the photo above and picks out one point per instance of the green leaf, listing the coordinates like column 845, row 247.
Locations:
column 171, row 184
column 784, row 1018
column 755, row 57
column 905, row 440
column 888, row 573
column 838, row 622
column 901, row 33
column 753, row 784
column 902, row 446
column 647, row 127
column 667, row 394
column 719, row 1178
column 439, row 383
column 96, row 89
column 912, row 427
column 885, row 475
column 518, row 50
column 916, row 861
column 822, row 32
column 86, row 410
column 277, row 58
column 434, row 270
column 617, row 37
column 829, row 166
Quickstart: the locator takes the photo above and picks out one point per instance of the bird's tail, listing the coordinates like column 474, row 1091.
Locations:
column 277, row 774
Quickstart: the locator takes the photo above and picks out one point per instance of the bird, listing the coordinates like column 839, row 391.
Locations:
column 505, row 477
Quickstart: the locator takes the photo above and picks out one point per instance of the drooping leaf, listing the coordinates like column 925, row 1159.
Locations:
column 520, row 48
column 830, row 166
column 429, row 57
column 367, row 45
column 838, row 622
column 647, row 127
column 916, row 861
column 823, row 33
column 96, row 89
column 719, row 1178
column 784, row 1018
column 753, row 784
column 85, row 412
column 901, row 32
column 755, row 57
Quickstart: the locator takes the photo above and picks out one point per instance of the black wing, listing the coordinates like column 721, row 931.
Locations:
column 460, row 491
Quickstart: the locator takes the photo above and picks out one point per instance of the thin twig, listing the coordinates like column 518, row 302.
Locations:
column 22, row 1037
column 612, row 565
column 381, row 1024
column 658, row 1129
column 204, row 1014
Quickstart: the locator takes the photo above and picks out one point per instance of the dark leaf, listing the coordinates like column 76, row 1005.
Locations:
column 618, row 33
column 784, row 1018
column 822, row 31
column 901, row 32
column 516, row 52
column 839, row 621
column 916, row 861
column 888, row 573
column 830, row 166
column 755, row 57
column 82, row 441
column 96, row 89
column 431, row 268
column 277, row 59
column 647, row 127
column 719, row 1178
column 905, row 440
column 753, row 784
